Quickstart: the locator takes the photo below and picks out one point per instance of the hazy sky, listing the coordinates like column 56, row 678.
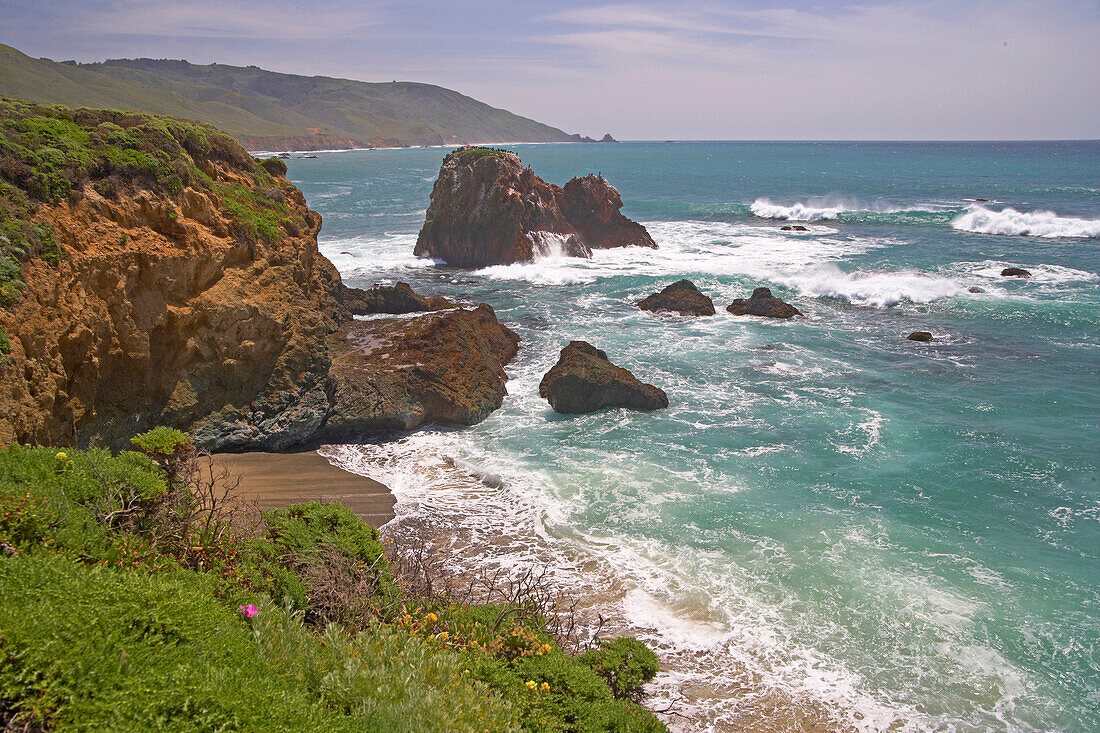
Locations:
column 785, row 69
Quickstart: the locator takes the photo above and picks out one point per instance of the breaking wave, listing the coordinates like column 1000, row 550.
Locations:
column 830, row 208
column 1009, row 221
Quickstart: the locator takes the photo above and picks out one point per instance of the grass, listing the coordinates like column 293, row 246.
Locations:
column 112, row 620
column 472, row 154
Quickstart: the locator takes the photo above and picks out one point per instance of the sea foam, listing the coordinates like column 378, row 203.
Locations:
column 1009, row 221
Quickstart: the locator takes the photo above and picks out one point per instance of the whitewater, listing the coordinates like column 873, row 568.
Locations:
column 830, row 526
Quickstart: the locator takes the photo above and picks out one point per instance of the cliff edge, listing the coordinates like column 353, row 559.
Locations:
column 152, row 272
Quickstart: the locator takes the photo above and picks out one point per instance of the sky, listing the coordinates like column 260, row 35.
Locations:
column 785, row 69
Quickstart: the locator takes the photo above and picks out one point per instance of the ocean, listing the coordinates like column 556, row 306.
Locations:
column 830, row 525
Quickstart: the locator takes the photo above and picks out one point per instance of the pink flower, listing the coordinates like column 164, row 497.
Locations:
column 248, row 611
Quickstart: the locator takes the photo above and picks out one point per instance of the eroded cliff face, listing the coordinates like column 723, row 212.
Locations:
column 211, row 309
column 160, row 311
column 488, row 209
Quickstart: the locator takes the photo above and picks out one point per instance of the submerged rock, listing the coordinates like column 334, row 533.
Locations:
column 487, row 209
column 762, row 303
column 919, row 336
column 974, row 289
column 584, row 380
column 1015, row 272
column 680, row 297
column 793, row 228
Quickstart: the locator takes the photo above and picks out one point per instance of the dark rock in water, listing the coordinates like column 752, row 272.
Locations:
column 591, row 205
column 400, row 373
column 487, row 209
column 793, row 228
column 680, row 297
column 974, row 289
column 982, row 201
column 396, row 299
column 584, row 380
column 763, row 303
column 608, row 139
column 919, row 336
column 1015, row 272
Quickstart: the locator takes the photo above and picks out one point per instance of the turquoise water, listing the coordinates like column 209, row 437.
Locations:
column 906, row 533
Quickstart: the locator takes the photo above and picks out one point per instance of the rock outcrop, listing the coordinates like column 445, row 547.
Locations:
column 1015, row 272
column 762, row 303
column 793, row 228
column 487, row 209
column 584, row 380
column 923, row 336
column 680, row 297
column 396, row 299
column 201, row 301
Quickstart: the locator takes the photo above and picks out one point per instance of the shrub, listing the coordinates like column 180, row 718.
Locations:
column 625, row 663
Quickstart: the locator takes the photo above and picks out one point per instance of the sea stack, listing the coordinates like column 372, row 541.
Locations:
column 488, row 209
column 680, row 297
column 763, row 303
column 584, row 380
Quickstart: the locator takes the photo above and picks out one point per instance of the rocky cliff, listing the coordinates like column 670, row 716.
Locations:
column 488, row 209
column 152, row 272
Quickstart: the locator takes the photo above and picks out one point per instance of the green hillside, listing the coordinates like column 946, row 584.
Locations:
column 266, row 110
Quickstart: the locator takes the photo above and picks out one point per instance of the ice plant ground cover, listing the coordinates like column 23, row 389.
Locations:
column 113, row 618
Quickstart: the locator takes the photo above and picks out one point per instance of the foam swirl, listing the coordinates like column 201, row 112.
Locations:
column 1009, row 221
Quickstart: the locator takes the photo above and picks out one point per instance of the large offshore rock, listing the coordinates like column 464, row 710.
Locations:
column 584, row 380
column 488, row 209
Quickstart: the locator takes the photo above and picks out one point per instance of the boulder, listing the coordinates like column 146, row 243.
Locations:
column 1015, row 272
column 974, row 289
column 396, row 299
column 762, row 303
column 919, row 336
column 680, row 297
column 446, row 366
column 487, row 209
column 584, row 380
column 793, row 228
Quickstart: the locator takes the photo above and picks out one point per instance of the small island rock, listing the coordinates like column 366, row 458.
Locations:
column 919, row 336
column 584, row 380
column 680, row 297
column 1015, row 272
column 488, row 209
column 762, row 303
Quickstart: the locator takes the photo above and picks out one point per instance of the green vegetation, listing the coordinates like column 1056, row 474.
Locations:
column 266, row 110
column 49, row 154
column 472, row 154
column 123, row 610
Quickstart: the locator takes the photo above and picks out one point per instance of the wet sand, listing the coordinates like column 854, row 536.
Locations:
column 274, row 480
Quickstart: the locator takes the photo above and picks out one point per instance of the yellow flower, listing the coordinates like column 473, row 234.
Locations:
column 545, row 687
column 444, row 636
column 61, row 456
column 531, row 685
column 407, row 619
column 545, row 649
column 431, row 618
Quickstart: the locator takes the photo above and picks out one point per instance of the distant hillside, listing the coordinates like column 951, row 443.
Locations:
column 266, row 110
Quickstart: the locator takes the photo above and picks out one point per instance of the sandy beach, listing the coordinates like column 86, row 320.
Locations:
column 275, row 480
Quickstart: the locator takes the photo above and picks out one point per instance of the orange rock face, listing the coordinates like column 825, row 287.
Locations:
column 164, row 311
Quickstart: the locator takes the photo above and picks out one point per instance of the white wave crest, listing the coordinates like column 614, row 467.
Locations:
column 765, row 209
column 1009, row 221
column 830, row 208
column 875, row 288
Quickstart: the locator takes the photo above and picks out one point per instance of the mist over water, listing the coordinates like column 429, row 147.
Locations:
column 905, row 535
